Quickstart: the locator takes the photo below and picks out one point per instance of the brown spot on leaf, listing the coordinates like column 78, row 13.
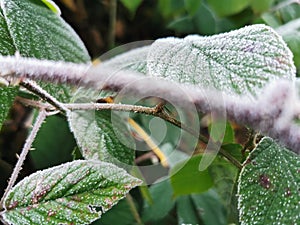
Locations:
column 13, row 205
column 76, row 198
column 51, row 213
column 39, row 194
column 264, row 181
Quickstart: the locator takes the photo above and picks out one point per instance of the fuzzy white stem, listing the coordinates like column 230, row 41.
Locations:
column 272, row 113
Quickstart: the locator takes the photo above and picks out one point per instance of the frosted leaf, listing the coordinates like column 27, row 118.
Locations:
column 132, row 60
column 268, row 186
column 31, row 29
column 96, row 135
column 241, row 61
column 7, row 96
column 38, row 32
column 73, row 193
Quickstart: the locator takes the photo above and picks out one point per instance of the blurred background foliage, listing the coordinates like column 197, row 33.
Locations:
column 105, row 24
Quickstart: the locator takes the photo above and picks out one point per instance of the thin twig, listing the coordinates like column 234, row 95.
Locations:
column 35, row 104
column 230, row 158
column 36, row 89
column 39, row 120
column 2, row 220
column 156, row 111
column 112, row 23
column 149, row 111
column 145, row 157
column 133, row 209
column 110, row 106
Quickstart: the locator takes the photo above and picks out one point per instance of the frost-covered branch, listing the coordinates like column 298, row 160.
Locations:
column 39, row 120
column 273, row 112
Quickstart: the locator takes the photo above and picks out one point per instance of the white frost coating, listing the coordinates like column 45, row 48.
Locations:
column 132, row 60
column 283, row 207
column 89, row 179
column 267, row 113
column 36, row 69
column 240, row 62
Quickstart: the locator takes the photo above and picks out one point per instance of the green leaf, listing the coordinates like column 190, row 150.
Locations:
column 38, row 32
column 169, row 8
column 268, row 188
column 186, row 211
column 293, row 41
column 99, row 139
column 72, row 193
column 235, row 150
column 131, row 60
column 132, row 5
column 221, row 131
column 31, row 29
column 229, row 62
column 228, row 7
column 260, row 6
column 238, row 62
column 291, row 34
column 96, row 134
column 173, row 155
column 161, row 205
column 182, row 25
column 289, row 12
column 210, row 208
column 120, row 214
column 186, row 178
column 270, row 19
column 54, row 138
column 202, row 18
column 205, row 208
column 192, row 6
column 7, row 96
column 224, row 176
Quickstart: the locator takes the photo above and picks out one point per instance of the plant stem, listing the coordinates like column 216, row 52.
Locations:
column 112, row 23
column 230, row 158
column 110, row 106
column 154, row 111
column 39, row 120
column 36, row 89
column 133, row 209
column 260, row 113
column 35, row 104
